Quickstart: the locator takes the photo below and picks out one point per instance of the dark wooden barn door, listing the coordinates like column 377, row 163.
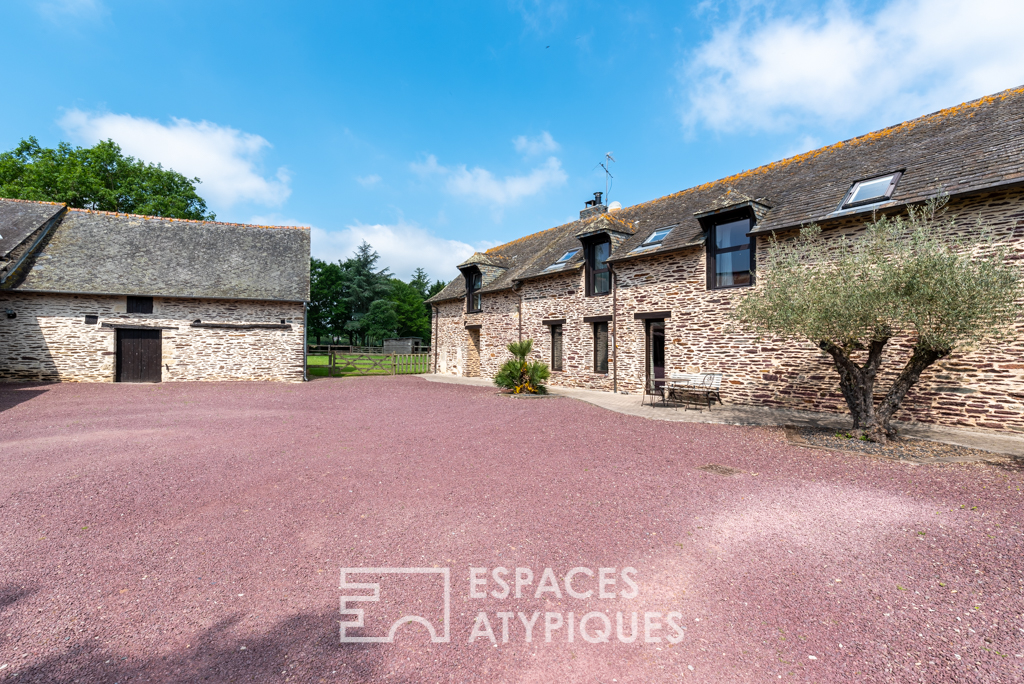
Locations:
column 139, row 355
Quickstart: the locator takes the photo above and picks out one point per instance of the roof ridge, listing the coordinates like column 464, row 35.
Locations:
column 857, row 140
column 13, row 199
column 180, row 220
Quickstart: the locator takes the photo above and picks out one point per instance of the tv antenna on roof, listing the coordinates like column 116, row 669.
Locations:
column 608, row 177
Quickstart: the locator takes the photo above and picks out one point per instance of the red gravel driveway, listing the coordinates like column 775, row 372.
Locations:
column 196, row 532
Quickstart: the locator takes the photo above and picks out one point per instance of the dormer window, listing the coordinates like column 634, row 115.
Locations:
column 599, row 280
column 563, row 260
column 474, row 300
column 730, row 253
column 871, row 190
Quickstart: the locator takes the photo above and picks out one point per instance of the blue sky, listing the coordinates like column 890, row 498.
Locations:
column 432, row 129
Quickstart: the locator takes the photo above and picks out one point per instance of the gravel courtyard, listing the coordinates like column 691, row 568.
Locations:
column 190, row 532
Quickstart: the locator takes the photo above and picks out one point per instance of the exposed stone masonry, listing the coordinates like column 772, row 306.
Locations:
column 983, row 388
column 50, row 340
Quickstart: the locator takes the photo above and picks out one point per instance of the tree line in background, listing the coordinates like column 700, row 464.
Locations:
column 354, row 302
column 98, row 177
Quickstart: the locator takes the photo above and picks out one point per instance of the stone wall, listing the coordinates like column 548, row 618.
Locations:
column 50, row 340
column 983, row 388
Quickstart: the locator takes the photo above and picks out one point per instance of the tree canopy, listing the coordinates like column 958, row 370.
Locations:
column 920, row 277
column 356, row 301
column 98, row 177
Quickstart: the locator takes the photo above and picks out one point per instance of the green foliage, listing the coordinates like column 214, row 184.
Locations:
column 906, row 275
column 519, row 375
column 413, row 314
column 381, row 321
column 98, row 177
column 355, row 300
column 327, row 312
column 919, row 276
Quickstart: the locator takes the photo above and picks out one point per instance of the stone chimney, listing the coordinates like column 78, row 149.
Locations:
column 593, row 207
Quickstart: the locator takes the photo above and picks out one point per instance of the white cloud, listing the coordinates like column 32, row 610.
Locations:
column 403, row 247
column 541, row 16
column 908, row 58
column 57, row 10
column 368, row 181
column 225, row 159
column 542, row 144
column 480, row 184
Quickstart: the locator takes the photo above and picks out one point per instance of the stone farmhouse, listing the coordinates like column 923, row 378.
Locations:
column 627, row 295
column 93, row 296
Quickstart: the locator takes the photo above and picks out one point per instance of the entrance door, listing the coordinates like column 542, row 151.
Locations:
column 656, row 352
column 139, row 355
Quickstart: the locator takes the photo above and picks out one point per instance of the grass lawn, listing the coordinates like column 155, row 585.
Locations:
column 359, row 364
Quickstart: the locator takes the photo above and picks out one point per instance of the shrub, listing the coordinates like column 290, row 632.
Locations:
column 519, row 375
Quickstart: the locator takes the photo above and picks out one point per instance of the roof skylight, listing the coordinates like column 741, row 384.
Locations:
column 563, row 260
column 871, row 190
column 658, row 236
column 654, row 240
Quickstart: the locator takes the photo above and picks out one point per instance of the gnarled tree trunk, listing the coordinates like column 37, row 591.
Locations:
column 857, row 384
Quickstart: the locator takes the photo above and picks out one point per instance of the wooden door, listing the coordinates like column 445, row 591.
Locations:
column 139, row 355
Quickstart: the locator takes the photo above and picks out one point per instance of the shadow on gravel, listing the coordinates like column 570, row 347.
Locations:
column 302, row 648
column 14, row 393
column 11, row 594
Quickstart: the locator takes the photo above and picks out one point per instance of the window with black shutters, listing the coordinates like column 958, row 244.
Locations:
column 556, row 347
column 143, row 305
column 600, row 347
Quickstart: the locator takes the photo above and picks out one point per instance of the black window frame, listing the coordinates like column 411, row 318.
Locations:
column 590, row 248
column 711, row 224
column 600, row 330
column 141, row 305
column 557, row 359
column 474, row 283
column 846, row 204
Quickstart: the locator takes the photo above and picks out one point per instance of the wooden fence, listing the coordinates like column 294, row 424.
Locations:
column 339, row 364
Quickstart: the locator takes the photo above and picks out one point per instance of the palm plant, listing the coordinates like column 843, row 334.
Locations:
column 519, row 375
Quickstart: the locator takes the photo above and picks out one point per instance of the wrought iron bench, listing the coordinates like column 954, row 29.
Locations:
column 706, row 386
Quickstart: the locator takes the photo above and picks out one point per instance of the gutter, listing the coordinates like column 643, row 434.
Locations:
column 520, row 306
column 434, row 341
column 615, row 330
column 54, row 220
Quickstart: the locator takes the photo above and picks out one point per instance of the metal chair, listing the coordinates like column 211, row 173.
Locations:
column 652, row 389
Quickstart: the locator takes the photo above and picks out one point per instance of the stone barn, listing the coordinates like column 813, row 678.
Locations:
column 625, row 297
column 90, row 296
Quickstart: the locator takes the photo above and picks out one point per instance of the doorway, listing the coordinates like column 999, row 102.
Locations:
column 139, row 356
column 656, row 352
column 473, row 354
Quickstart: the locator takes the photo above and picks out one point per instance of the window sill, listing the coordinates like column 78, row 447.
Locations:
column 730, row 287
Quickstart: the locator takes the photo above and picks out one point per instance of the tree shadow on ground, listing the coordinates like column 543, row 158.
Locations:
column 14, row 393
column 304, row 648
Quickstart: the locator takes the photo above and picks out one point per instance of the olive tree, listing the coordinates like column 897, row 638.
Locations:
column 918, row 277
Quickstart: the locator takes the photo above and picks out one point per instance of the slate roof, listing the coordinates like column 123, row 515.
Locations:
column 94, row 252
column 22, row 224
column 974, row 146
